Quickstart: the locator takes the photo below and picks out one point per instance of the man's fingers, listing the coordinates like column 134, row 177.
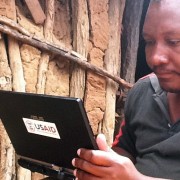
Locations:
column 86, row 166
column 82, row 175
column 96, row 157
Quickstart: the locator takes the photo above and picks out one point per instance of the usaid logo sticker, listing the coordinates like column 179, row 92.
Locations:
column 41, row 128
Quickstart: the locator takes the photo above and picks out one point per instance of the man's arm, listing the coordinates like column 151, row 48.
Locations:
column 105, row 164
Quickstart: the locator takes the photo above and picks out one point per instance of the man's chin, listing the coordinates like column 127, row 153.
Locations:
column 170, row 89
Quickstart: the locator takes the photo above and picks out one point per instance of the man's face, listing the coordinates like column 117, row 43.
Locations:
column 162, row 36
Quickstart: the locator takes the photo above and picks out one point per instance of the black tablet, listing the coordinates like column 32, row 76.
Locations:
column 45, row 130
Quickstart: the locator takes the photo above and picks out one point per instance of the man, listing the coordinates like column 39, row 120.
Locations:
column 150, row 136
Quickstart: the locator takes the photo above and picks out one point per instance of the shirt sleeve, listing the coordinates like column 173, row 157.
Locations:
column 126, row 138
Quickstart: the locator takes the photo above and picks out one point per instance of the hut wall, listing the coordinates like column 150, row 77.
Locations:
column 92, row 28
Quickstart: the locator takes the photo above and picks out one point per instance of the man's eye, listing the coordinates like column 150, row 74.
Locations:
column 174, row 42
column 149, row 42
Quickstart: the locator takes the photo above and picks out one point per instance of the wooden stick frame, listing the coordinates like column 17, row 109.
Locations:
column 11, row 28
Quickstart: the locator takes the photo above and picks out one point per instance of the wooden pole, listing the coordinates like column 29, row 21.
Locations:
column 7, row 160
column 48, row 33
column 112, row 56
column 80, row 45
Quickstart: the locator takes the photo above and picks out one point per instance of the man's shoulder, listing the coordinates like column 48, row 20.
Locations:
column 144, row 83
column 143, row 89
column 141, row 93
column 147, row 79
column 148, row 82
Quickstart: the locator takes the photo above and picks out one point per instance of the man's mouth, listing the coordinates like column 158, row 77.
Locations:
column 164, row 74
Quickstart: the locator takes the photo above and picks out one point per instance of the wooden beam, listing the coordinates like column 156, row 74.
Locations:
column 36, row 11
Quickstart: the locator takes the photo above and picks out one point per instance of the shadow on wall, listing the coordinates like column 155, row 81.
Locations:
column 142, row 68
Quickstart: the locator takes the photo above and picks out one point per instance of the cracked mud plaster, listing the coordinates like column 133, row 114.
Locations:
column 99, row 38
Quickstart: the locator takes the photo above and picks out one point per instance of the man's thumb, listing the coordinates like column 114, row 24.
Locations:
column 101, row 142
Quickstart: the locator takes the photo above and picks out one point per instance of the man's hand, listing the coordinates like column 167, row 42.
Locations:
column 103, row 164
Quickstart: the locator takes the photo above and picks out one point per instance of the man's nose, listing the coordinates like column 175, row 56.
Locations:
column 159, row 55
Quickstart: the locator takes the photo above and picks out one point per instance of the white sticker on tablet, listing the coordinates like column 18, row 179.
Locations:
column 41, row 128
